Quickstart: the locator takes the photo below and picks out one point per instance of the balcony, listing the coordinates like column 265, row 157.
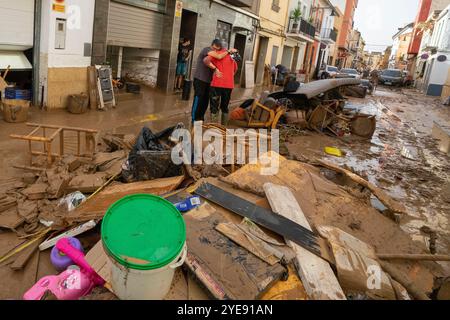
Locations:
column 301, row 30
column 241, row 3
column 329, row 36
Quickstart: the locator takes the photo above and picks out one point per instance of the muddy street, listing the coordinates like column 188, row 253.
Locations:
column 402, row 158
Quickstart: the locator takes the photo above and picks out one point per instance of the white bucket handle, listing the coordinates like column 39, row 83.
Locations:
column 181, row 260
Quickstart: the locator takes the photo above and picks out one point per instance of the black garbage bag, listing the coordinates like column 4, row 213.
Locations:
column 150, row 158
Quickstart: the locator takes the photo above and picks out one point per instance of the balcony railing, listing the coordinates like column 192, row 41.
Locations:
column 301, row 27
column 329, row 34
column 241, row 3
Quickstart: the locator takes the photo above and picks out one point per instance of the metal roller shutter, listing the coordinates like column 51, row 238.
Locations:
column 130, row 26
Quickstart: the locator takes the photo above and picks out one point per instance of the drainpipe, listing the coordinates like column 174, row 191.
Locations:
column 36, row 51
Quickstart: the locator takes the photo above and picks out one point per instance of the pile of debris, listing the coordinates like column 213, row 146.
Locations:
column 291, row 235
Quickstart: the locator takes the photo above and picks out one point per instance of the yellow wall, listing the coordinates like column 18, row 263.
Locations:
column 338, row 25
column 273, row 25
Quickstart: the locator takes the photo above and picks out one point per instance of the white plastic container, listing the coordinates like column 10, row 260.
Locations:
column 144, row 237
column 131, row 284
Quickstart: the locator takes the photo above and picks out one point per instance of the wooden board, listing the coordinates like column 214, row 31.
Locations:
column 232, row 231
column 266, row 218
column 317, row 276
column 355, row 264
column 93, row 94
column 249, row 74
column 9, row 219
column 96, row 207
column 241, row 275
column 388, row 201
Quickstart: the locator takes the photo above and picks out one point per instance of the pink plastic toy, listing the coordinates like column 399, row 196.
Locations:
column 69, row 285
column 72, row 284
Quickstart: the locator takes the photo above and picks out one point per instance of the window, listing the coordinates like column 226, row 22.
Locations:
column 276, row 5
column 223, row 32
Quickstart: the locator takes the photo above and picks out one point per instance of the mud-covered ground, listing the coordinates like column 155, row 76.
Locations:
column 420, row 181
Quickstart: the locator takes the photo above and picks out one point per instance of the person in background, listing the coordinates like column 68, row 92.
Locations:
column 203, row 77
column 374, row 79
column 221, row 86
column 183, row 58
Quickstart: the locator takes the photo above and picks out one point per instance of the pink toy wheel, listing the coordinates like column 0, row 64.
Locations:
column 59, row 260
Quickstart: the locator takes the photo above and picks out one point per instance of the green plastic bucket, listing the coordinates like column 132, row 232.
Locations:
column 145, row 239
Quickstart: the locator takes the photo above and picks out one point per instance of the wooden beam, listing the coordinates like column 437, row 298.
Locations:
column 48, row 126
column 28, row 138
column 316, row 274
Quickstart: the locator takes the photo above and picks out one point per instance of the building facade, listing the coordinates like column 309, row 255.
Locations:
column 300, row 33
column 434, row 56
column 426, row 7
column 344, row 40
column 326, row 14
column 233, row 21
column 271, row 37
column 400, row 47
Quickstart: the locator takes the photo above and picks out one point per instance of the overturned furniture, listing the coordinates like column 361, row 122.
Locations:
column 51, row 134
column 310, row 95
column 264, row 113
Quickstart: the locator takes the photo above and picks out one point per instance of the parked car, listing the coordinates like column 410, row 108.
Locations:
column 328, row 72
column 392, row 77
column 407, row 78
column 350, row 73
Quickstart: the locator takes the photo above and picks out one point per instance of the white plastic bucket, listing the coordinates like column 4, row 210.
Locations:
column 132, row 284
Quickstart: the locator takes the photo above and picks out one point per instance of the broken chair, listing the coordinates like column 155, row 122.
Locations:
column 65, row 143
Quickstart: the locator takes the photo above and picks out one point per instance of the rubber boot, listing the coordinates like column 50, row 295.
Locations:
column 214, row 117
column 224, row 119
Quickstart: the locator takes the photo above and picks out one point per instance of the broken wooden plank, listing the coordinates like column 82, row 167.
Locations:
column 23, row 258
column 231, row 231
column 317, row 276
column 37, row 191
column 71, row 233
column 7, row 203
column 87, row 183
column 266, row 218
column 414, row 257
column 10, row 219
column 227, row 263
column 95, row 207
column 388, row 201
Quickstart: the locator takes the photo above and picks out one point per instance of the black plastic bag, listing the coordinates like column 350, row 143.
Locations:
column 150, row 159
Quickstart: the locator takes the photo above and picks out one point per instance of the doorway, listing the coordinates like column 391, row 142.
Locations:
column 239, row 44
column 188, row 30
column 286, row 59
column 273, row 61
column 261, row 59
column 294, row 66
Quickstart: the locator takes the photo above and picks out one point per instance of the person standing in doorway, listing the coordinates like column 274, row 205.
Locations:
column 203, row 77
column 183, row 58
column 222, row 87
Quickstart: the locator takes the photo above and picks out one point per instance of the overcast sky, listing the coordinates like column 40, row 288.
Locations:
column 379, row 20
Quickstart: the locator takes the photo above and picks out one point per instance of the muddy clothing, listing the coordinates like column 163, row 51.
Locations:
column 203, row 72
column 201, row 100
column 220, row 98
